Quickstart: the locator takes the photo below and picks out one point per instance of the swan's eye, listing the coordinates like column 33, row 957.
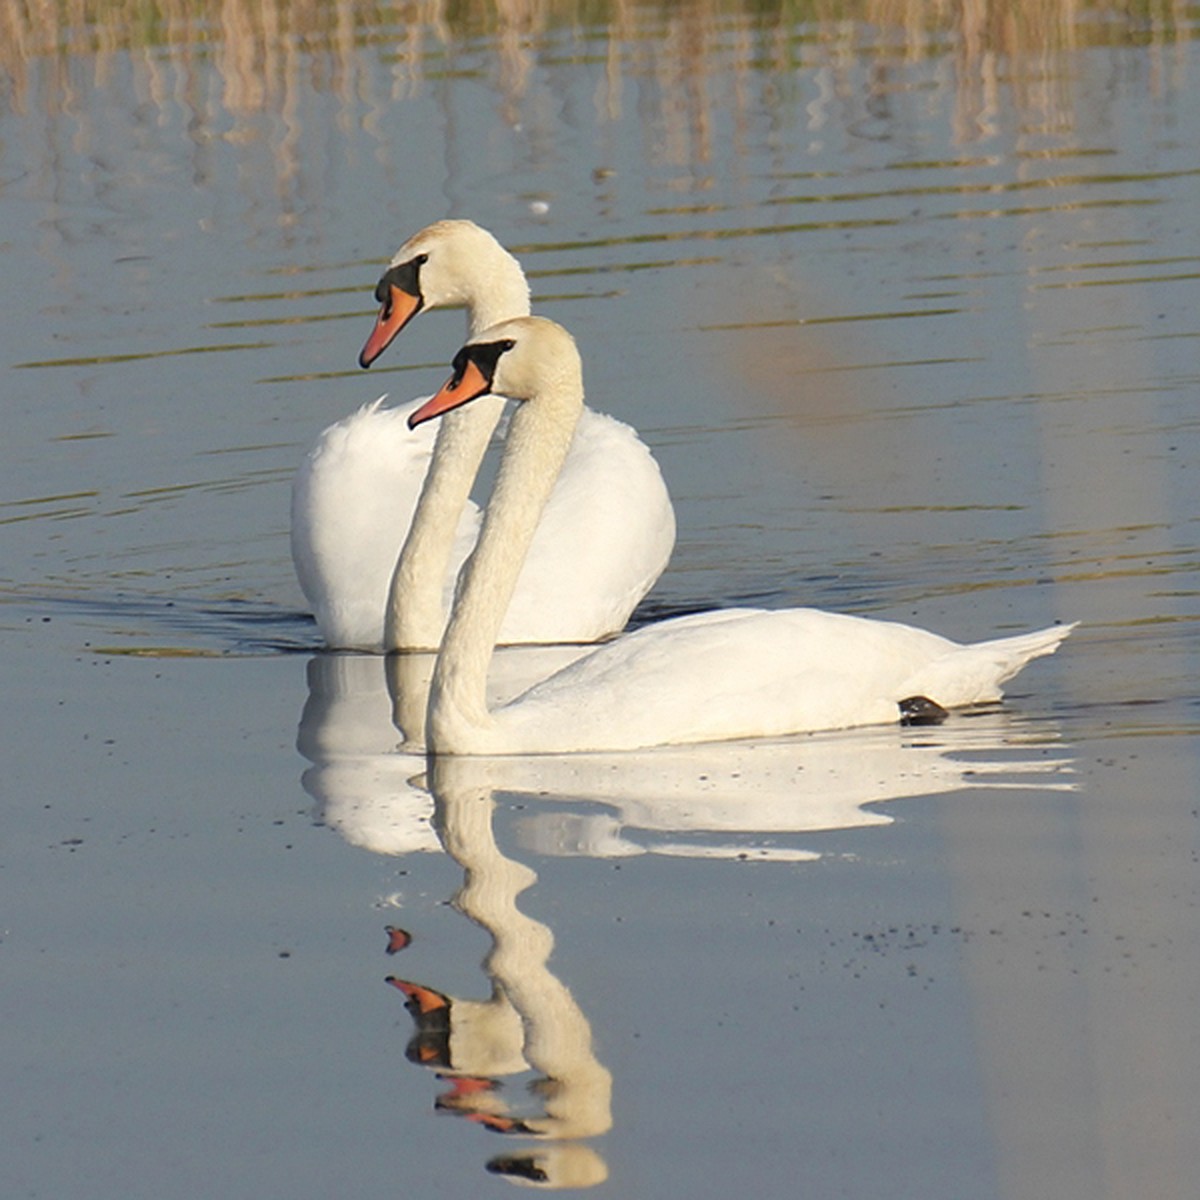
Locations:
column 405, row 277
column 485, row 355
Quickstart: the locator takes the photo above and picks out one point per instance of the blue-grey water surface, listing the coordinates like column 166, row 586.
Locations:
column 904, row 298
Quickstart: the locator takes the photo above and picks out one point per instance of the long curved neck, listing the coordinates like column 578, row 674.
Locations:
column 416, row 611
column 499, row 292
column 539, row 437
column 415, row 616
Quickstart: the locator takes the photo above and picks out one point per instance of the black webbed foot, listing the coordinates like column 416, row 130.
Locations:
column 920, row 710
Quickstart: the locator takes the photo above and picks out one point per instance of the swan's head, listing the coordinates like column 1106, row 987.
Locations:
column 530, row 359
column 447, row 263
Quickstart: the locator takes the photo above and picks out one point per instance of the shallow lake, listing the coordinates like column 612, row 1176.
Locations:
column 904, row 299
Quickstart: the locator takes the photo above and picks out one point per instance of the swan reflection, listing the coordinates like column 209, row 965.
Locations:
column 361, row 731
column 529, row 1022
column 364, row 715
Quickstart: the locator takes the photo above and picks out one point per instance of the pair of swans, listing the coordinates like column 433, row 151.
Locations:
column 369, row 487
column 728, row 674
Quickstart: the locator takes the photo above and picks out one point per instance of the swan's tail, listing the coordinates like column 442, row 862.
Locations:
column 1015, row 652
column 974, row 674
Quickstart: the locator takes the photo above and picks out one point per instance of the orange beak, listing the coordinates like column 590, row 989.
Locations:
column 454, row 393
column 420, row 999
column 396, row 311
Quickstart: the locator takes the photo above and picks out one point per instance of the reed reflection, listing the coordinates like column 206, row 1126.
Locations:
column 690, row 63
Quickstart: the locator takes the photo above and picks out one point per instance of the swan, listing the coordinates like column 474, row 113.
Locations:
column 605, row 537
column 713, row 676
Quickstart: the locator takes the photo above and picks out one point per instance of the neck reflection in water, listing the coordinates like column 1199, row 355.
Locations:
column 530, row 1021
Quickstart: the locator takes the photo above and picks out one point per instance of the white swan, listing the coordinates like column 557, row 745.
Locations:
column 737, row 673
column 604, row 539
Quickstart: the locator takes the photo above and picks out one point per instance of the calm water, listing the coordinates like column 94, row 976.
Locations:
column 907, row 312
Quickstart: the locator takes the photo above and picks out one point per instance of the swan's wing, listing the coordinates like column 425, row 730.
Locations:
column 603, row 540
column 750, row 673
column 731, row 674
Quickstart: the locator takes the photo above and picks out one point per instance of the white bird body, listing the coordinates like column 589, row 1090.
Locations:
column 728, row 674
column 369, row 488
column 748, row 673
